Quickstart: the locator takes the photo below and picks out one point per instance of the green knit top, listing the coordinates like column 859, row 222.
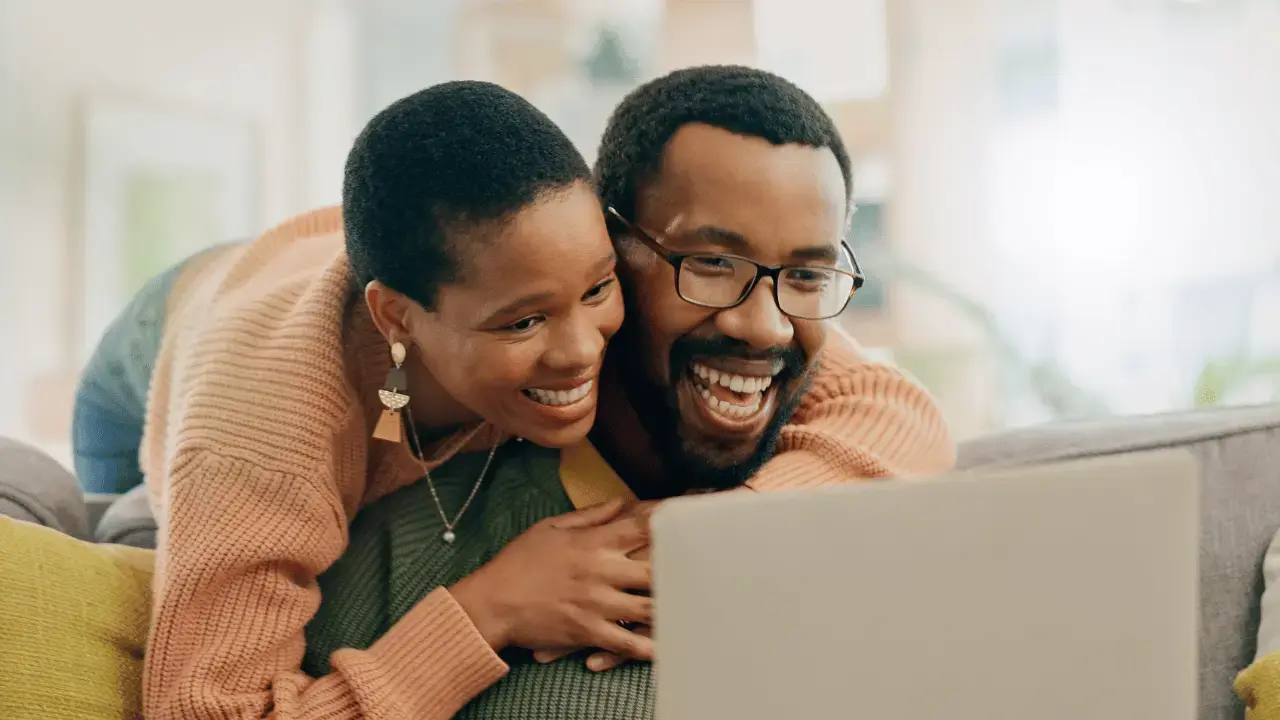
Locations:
column 396, row 556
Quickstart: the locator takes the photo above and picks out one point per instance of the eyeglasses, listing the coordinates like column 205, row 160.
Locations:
column 723, row 281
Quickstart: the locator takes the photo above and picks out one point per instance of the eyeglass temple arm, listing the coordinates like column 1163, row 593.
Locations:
column 639, row 234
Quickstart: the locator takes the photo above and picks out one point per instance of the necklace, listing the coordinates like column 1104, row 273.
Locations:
column 449, row 535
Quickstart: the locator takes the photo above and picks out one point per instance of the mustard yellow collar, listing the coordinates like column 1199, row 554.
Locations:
column 589, row 480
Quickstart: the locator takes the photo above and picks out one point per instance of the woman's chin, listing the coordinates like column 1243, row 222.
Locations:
column 554, row 426
column 560, row 437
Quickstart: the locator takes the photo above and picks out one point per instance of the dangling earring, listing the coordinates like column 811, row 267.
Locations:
column 394, row 398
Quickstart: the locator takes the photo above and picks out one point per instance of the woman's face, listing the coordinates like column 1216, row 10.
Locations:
column 519, row 337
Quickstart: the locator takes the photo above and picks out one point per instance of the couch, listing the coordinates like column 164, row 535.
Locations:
column 1239, row 451
column 35, row 488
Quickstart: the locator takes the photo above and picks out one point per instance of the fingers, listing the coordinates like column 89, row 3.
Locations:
column 635, row 608
column 601, row 661
column 597, row 661
column 550, row 656
column 627, row 533
column 589, row 517
column 612, row 638
column 627, row 574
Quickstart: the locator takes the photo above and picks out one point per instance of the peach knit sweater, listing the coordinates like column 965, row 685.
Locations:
column 257, row 456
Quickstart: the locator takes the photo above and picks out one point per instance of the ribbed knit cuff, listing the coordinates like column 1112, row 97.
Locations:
column 437, row 659
column 794, row 470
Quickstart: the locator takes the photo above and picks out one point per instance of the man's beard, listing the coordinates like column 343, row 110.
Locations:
column 686, row 465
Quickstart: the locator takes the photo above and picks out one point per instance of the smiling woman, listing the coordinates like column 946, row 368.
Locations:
column 531, row 309
column 464, row 293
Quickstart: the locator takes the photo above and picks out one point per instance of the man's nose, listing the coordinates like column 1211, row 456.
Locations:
column 757, row 321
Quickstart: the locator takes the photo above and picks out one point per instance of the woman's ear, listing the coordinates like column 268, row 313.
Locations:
column 390, row 311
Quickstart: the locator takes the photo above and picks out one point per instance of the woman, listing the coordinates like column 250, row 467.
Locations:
column 463, row 295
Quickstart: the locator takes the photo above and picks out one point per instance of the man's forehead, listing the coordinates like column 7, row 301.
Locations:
column 717, row 184
column 699, row 149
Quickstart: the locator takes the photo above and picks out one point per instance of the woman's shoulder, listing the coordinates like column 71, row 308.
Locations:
column 259, row 279
column 254, row 356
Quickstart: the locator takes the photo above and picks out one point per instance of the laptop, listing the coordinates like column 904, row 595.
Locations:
column 1057, row 592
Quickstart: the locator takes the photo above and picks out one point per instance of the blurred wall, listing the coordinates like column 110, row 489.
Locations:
column 1070, row 164
column 242, row 58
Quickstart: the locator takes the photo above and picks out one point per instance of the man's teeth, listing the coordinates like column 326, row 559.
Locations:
column 736, row 383
column 752, row 386
column 560, row 397
column 729, row 409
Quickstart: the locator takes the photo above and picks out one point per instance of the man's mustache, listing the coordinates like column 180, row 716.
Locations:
column 685, row 349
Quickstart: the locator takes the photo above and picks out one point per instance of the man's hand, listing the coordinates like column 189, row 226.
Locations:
column 566, row 582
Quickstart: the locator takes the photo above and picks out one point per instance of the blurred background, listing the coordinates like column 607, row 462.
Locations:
column 1067, row 208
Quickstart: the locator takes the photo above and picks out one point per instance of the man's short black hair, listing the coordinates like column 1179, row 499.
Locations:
column 438, row 163
column 742, row 100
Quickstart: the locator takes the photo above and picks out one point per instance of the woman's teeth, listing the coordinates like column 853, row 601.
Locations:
column 749, row 388
column 560, row 397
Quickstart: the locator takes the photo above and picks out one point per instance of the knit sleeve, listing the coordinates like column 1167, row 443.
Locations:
column 859, row 419
column 235, row 587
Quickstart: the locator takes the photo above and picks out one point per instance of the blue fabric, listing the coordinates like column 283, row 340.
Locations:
column 105, row 446
column 111, row 401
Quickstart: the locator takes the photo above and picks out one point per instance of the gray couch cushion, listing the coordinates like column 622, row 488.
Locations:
column 1239, row 451
column 35, row 488
column 128, row 521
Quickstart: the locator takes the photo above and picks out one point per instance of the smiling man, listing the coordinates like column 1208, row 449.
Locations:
column 729, row 192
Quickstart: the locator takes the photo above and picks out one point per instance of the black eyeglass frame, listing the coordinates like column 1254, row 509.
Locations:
column 762, row 270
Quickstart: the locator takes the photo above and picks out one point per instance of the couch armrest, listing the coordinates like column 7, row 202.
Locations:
column 36, row 488
column 97, row 504
column 128, row 521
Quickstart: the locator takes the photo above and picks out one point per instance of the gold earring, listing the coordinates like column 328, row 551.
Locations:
column 394, row 397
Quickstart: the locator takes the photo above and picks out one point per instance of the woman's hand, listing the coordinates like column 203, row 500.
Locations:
column 603, row 660
column 566, row 582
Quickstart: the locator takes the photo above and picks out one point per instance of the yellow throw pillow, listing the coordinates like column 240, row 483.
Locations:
column 73, row 625
column 1259, row 687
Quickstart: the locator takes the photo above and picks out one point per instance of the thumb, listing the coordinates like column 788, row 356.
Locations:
column 550, row 656
column 591, row 516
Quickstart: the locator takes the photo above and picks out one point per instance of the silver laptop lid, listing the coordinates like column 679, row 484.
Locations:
column 1056, row 592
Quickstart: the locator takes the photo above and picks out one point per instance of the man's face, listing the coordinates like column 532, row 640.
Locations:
column 714, row 387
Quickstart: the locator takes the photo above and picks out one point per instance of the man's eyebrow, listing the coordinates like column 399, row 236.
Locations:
column 722, row 238
column 816, row 254
column 736, row 243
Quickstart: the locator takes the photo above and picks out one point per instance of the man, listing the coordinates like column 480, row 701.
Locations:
column 716, row 357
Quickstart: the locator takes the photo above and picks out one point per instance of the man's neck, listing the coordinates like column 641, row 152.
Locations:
column 622, row 441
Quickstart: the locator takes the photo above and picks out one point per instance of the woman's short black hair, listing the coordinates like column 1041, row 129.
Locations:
column 742, row 100
column 434, row 165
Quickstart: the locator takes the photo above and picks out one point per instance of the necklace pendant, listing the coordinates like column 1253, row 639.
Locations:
column 448, row 537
